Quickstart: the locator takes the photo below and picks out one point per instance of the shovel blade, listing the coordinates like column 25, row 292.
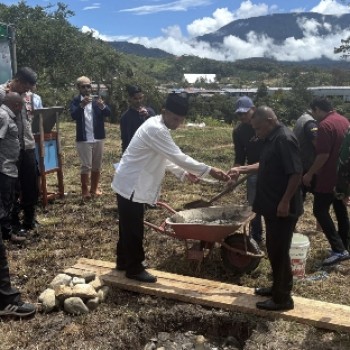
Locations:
column 200, row 203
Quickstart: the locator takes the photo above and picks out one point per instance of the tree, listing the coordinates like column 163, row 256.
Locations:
column 262, row 95
column 60, row 53
column 298, row 99
column 344, row 48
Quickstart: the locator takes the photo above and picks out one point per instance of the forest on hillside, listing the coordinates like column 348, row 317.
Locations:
column 60, row 52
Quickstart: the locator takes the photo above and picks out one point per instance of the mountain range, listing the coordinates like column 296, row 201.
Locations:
column 278, row 27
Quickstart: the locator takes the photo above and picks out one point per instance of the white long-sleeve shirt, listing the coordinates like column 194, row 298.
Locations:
column 150, row 153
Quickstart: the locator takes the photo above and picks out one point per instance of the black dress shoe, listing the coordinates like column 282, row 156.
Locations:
column 263, row 291
column 270, row 305
column 121, row 267
column 142, row 276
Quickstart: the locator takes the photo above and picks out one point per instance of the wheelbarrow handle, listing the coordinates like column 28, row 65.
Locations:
column 161, row 229
column 155, row 227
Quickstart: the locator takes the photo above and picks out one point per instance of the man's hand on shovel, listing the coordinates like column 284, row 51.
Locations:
column 219, row 174
column 234, row 173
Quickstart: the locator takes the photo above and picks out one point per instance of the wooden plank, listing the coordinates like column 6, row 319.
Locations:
column 217, row 294
column 101, row 267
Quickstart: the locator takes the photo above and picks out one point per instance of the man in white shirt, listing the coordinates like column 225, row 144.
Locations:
column 138, row 179
column 89, row 114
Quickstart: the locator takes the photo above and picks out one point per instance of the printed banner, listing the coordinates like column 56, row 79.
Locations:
column 5, row 55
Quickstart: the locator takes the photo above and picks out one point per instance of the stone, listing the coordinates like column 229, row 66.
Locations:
column 61, row 279
column 97, row 283
column 92, row 304
column 88, row 276
column 150, row 346
column 48, row 300
column 163, row 336
column 75, row 306
column 84, row 291
column 102, row 293
column 63, row 292
column 78, row 280
column 200, row 342
column 232, row 341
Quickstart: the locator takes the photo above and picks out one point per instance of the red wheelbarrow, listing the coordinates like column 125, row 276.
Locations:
column 210, row 226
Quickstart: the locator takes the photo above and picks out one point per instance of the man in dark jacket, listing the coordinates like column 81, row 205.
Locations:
column 89, row 114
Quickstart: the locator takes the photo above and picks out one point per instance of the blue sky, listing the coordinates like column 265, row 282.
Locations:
column 172, row 24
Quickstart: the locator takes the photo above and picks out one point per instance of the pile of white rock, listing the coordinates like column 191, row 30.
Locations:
column 75, row 295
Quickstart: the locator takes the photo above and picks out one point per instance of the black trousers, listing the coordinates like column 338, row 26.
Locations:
column 7, row 293
column 7, row 188
column 339, row 240
column 27, row 188
column 279, row 234
column 130, row 252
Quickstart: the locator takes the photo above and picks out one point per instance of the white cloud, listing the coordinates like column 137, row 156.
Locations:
column 331, row 7
column 206, row 25
column 175, row 6
column 96, row 34
column 309, row 26
column 311, row 46
column 248, row 9
column 94, row 6
column 223, row 16
column 173, row 32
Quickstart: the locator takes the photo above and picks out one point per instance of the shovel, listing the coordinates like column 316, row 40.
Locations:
column 200, row 203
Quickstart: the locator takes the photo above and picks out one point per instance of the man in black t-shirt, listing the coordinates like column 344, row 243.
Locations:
column 278, row 199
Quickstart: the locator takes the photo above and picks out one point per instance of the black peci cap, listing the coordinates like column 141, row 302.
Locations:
column 177, row 104
column 26, row 75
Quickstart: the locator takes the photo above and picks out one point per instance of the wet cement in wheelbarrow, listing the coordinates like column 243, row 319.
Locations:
column 218, row 215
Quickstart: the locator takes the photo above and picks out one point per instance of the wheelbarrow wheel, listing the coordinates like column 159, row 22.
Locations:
column 237, row 262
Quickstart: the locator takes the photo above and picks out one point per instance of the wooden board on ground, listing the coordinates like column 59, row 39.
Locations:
column 216, row 294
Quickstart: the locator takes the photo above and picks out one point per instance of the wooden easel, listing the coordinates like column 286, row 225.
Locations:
column 48, row 150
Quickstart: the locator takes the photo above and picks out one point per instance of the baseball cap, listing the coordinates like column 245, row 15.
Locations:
column 244, row 104
column 133, row 90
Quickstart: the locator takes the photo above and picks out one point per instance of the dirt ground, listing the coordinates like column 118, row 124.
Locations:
column 70, row 229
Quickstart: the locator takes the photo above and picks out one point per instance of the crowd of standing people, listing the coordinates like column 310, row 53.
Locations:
column 283, row 165
column 19, row 179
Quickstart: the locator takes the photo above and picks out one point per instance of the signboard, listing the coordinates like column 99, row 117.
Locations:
column 5, row 55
